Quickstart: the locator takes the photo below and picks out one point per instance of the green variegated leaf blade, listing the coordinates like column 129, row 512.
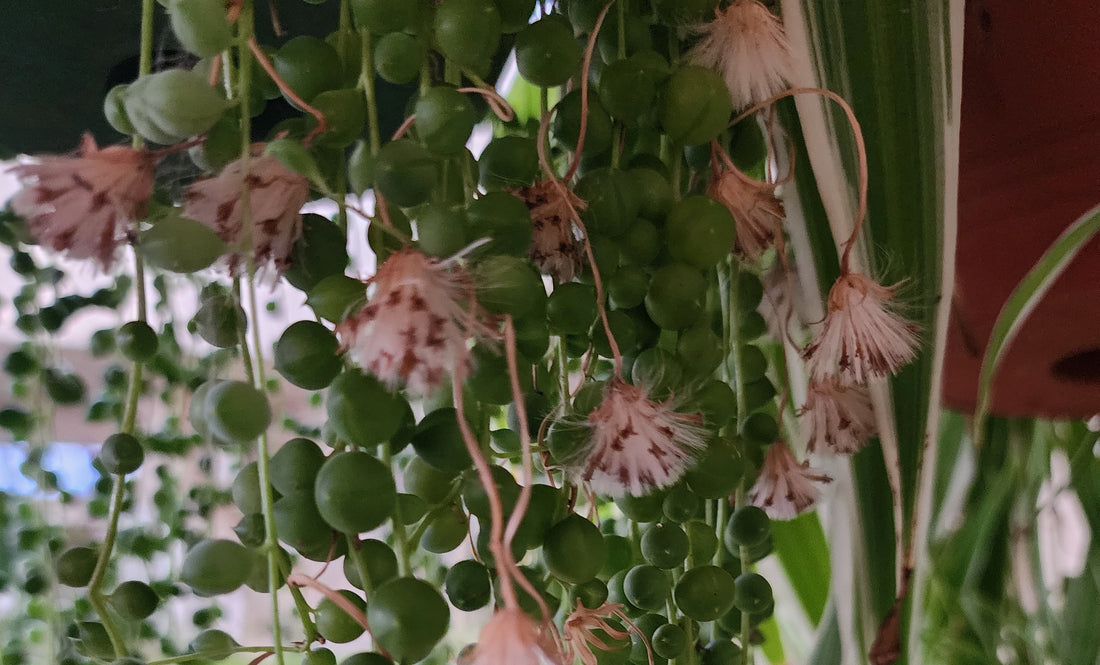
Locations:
column 1022, row 302
column 899, row 65
column 801, row 548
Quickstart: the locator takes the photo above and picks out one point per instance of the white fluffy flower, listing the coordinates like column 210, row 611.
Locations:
column 554, row 248
column 785, row 488
column 414, row 328
column 746, row 44
column 275, row 198
column 757, row 212
column 862, row 336
column 837, row 419
column 82, row 205
column 637, row 444
column 511, row 638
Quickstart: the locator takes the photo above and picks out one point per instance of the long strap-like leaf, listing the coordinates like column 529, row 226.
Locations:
column 1025, row 297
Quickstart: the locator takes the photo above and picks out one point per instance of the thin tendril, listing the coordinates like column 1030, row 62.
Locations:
column 587, row 64
column 405, row 126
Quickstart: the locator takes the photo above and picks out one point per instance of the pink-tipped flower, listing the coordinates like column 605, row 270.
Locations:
column 757, row 212
column 863, row 336
column 84, row 205
column 554, row 248
column 580, row 626
column 746, row 44
column 637, row 444
column 785, row 488
column 414, row 328
column 275, row 198
column 512, row 638
column 837, row 418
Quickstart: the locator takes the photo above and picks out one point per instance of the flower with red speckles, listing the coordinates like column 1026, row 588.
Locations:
column 746, row 44
column 415, row 327
column 83, row 205
column 554, row 247
column 637, row 444
column 785, row 488
column 862, row 336
column 275, row 198
column 757, row 212
column 837, row 419
column 512, row 638
column 579, row 627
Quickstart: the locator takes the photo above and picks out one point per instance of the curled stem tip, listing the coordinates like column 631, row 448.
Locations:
column 861, row 154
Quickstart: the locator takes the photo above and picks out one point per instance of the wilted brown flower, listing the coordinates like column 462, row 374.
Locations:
column 554, row 246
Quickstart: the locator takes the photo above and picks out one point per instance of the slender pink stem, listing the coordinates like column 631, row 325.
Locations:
column 404, row 127
column 215, row 70
column 298, row 579
column 637, row 631
column 485, row 476
column 498, row 104
column 179, row 147
column 520, row 509
column 861, row 152
column 265, row 62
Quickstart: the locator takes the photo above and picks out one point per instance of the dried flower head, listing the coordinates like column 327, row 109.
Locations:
column 580, row 626
column 837, row 419
column 512, row 638
column 415, row 327
column 637, row 444
column 82, row 205
column 863, row 336
column 785, row 488
column 554, row 247
column 747, row 45
column 275, row 198
column 757, row 212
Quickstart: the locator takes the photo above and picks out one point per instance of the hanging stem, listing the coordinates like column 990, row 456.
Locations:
column 400, row 537
column 730, row 309
column 133, row 392
column 366, row 80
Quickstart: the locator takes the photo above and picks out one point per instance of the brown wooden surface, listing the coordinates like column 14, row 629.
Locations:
column 1030, row 166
